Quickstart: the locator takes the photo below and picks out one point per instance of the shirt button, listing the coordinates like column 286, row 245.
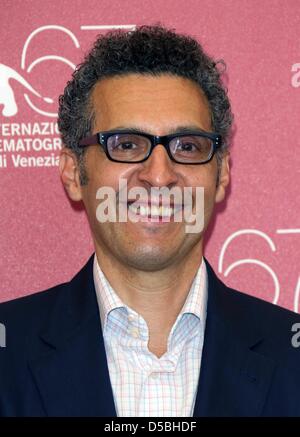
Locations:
column 131, row 317
column 134, row 332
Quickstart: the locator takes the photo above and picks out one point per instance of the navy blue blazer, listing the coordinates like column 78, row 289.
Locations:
column 54, row 362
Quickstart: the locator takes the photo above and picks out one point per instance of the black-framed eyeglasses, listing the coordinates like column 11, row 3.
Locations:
column 130, row 146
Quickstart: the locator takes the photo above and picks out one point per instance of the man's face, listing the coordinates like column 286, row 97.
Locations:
column 158, row 106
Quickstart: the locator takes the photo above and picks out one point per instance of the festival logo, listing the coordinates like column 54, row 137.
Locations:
column 7, row 98
column 36, row 143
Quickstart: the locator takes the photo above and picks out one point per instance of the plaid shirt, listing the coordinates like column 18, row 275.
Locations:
column 143, row 384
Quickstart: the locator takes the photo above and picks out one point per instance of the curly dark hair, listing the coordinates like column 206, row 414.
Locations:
column 152, row 50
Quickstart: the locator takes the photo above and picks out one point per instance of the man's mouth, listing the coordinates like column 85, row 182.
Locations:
column 155, row 211
column 152, row 211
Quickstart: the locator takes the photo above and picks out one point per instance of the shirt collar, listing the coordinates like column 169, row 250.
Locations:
column 108, row 300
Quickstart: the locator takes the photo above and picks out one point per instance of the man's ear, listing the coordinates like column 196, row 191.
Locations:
column 69, row 173
column 224, row 178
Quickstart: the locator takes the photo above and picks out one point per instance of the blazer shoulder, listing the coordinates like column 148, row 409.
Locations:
column 28, row 313
column 42, row 299
column 25, row 317
column 278, row 326
column 253, row 317
column 260, row 307
column 243, row 304
column 39, row 299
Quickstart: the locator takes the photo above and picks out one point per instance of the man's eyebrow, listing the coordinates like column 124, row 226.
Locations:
column 177, row 129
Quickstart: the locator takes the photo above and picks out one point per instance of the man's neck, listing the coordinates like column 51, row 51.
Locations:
column 158, row 296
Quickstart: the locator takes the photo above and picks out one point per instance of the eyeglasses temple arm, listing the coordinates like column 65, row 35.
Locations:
column 89, row 141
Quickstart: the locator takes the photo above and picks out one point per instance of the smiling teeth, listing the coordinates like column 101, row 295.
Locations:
column 154, row 211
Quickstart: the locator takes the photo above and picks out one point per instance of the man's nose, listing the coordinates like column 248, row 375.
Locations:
column 158, row 170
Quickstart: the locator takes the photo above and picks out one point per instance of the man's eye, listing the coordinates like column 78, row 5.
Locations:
column 188, row 147
column 126, row 146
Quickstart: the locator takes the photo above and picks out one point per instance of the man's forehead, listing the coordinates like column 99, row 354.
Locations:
column 145, row 102
column 133, row 83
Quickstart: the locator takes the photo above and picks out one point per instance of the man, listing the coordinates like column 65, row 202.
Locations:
column 146, row 328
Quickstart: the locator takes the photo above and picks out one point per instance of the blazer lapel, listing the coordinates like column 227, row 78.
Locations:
column 71, row 370
column 234, row 379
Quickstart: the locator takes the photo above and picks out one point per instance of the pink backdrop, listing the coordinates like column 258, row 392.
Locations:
column 254, row 242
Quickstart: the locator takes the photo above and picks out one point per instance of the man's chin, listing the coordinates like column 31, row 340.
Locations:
column 148, row 264
column 148, row 258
